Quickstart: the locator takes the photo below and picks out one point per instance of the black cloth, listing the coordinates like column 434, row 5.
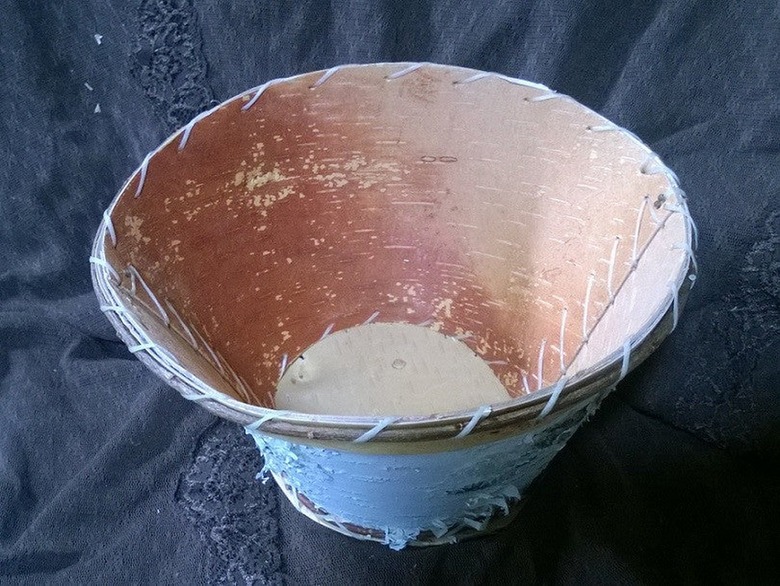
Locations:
column 108, row 476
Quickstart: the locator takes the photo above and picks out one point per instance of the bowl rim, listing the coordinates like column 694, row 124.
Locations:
column 484, row 423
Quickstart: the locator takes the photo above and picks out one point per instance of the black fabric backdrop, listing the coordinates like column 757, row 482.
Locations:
column 108, row 476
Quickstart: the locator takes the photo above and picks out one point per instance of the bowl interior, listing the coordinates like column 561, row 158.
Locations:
column 524, row 227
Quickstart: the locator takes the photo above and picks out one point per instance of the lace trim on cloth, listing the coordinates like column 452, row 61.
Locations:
column 235, row 515
column 168, row 62
column 758, row 301
column 749, row 324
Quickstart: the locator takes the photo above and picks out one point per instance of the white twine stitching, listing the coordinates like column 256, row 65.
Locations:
column 564, row 313
column 523, row 82
column 540, row 366
column 376, row 430
column 326, row 76
column 605, row 128
column 683, row 210
column 109, row 227
column 554, row 397
column 141, row 347
column 694, row 228
column 692, row 225
column 267, row 417
column 371, row 318
column 115, row 308
column 478, row 416
column 142, row 179
column 102, row 263
column 207, row 391
column 245, row 386
column 283, row 366
column 626, row 359
column 611, row 271
column 653, row 214
column 512, row 80
column 475, row 77
column 237, row 385
column 260, row 90
column 427, row 322
column 186, row 377
column 192, row 340
column 213, row 354
column 223, row 362
column 675, row 304
column 635, row 249
column 132, row 282
column 189, row 395
column 648, row 166
column 638, row 140
column 327, row 331
column 585, row 305
column 172, row 369
column 664, row 170
column 653, row 166
column 550, row 96
column 526, row 386
column 190, row 125
column 134, row 272
column 405, row 71
column 687, row 248
column 241, row 388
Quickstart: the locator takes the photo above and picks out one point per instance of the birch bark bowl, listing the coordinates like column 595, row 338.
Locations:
column 552, row 243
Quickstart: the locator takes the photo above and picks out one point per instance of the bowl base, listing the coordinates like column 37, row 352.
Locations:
column 303, row 504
